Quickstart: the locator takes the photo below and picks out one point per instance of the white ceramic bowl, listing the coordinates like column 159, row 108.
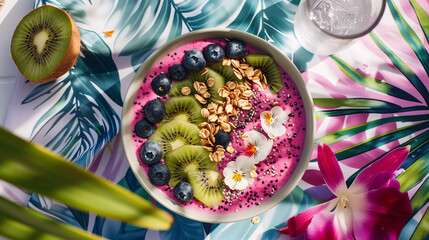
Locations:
column 283, row 61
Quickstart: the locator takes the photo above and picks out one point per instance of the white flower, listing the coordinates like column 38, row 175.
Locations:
column 272, row 121
column 239, row 173
column 257, row 146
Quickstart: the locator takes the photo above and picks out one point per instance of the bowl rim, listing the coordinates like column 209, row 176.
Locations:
column 282, row 60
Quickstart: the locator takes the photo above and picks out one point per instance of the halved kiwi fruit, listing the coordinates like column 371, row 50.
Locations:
column 174, row 134
column 185, row 108
column 208, row 186
column 45, row 44
column 269, row 68
column 188, row 158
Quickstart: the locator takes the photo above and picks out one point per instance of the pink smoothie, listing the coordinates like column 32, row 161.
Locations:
column 275, row 170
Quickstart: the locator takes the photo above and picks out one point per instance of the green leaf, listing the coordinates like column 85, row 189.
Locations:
column 17, row 222
column 344, row 112
column 353, row 102
column 402, row 66
column 421, row 197
column 422, row 230
column 39, row 170
column 380, row 140
column 423, row 18
column 414, row 174
column 410, row 36
column 372, row 83
column 345, row 133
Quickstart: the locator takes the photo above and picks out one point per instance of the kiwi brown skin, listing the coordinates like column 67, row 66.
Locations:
column 69, row 58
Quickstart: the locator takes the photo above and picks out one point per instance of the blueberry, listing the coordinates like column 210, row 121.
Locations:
column 144, row 128
column 177, row 72
column 183, row 191
column 159, row 174
column 235, row 49
column 154, row 111
column 161, row 84
column 214, row 53
column 150, row 153
column 194, row 60
column 222, row 138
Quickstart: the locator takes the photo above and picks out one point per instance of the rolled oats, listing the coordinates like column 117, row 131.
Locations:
column 205, row 113
column 210, row 82
column 231, row 85
column 200, row 99
column 204, row 71
column 185, row 91
column 204, row 133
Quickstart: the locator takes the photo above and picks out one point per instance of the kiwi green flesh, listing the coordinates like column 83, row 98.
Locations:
column 274, row 78
column 227, row 72
column 208, row 186
column 219, row 82
column 192, row 77
column 188, row 158
column 185, row 108
column 176, row 88
column 174, row 134
column 40, row 42
column 269, row 68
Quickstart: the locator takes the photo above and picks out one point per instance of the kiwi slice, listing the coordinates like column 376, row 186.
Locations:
column 45, row 44
column 192, row 77
column 185, row 108
column 176, row 88
column 174, row 134
column 188, row 158
column 269, row 68
column 218, row 83
column 227, row 72
column 208, row 186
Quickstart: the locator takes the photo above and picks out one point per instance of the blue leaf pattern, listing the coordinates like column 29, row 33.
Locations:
column 82, row 107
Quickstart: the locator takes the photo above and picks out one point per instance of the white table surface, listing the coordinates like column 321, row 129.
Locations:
column 11, row 13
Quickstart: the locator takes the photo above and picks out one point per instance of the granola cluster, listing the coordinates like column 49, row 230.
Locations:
column 218, row 113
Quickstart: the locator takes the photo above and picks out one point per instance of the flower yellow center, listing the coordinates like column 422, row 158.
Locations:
column 343, row 201
column 237, row 177
column 267, row 117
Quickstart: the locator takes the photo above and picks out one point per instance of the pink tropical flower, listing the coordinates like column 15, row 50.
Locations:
column 371, row 208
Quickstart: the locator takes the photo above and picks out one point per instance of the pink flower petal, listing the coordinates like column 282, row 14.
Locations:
column 297, row 225
column 393, row 183
column 343, row 223
column 380, row 213
column 322, row 227
column 374, row 182
column 389, row 163
column 330, row 169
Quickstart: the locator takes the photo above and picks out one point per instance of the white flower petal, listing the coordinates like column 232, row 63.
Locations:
column 262, row 146
column 228, row 172
column 263, row 151
column 274, row 131
column 278, row 115
column 230, row 182
column 244, row 163
column 274, row 128
column 241, row 185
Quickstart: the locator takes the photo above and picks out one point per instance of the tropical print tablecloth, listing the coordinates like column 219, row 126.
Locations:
column 370, row 98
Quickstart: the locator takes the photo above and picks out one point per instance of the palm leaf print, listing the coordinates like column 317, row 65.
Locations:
column 409, row 112
column 83, row 118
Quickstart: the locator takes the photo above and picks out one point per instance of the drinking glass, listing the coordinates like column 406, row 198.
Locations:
column 327, row 26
